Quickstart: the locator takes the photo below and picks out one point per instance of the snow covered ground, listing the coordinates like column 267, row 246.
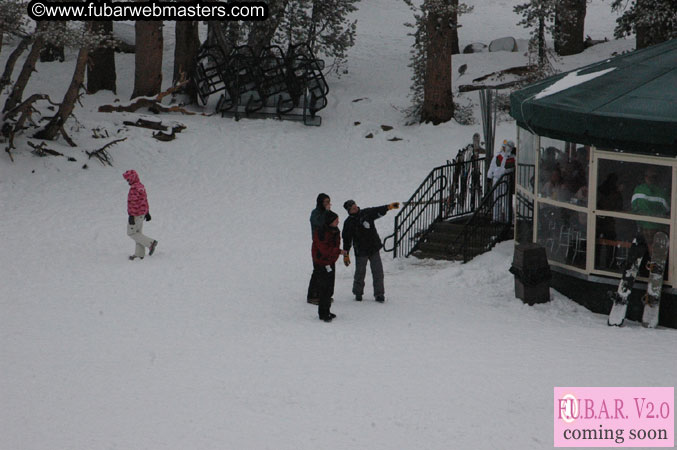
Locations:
column 209, row 343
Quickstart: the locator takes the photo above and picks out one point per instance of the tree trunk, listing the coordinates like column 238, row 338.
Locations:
column 454, row 28
column 57, row 122
column 542, row 56
column 101, row 64
column 26, row 71
column 438, row 101
column 148, row 58
column 569, row 26
column 11, row 62
column 262, row 32
column 649, row 34
column 185, row 53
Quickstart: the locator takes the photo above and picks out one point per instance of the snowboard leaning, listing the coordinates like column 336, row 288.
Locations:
column 652, row 299
column 620, row 296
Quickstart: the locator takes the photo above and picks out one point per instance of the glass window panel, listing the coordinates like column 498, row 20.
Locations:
column 563, row 233
column 634, row 188
column 563, row 171
column 527, row 149
column 614, row 238
column 524, row 219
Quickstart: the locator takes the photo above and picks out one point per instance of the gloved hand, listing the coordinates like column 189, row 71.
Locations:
column 131, row 220
column 394, row 205
column 147, row 217
column 346, row 260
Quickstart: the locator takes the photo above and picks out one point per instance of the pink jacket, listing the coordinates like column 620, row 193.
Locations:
column 137, row 201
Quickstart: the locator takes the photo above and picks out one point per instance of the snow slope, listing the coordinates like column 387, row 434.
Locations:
column 209, row 343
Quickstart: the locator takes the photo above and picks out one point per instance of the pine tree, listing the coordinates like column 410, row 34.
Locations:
column 13, row 18
column 87, row 37
column 101, row 73
column 148, row 58
column 323, row 24
column 185, row 52
column 539, row 16
column 653, row 21
column 569, row 30
column 435, row 40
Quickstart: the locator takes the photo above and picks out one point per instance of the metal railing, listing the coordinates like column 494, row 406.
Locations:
column 489, row 224
column 449, row 192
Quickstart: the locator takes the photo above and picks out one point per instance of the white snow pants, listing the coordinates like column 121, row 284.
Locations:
column 142, row 241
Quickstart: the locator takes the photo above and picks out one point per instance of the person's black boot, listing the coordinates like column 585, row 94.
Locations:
column 358, row 298
column 380, row 298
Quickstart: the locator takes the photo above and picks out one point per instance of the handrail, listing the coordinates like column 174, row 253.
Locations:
column 449, row 191
column 495, row 206
column 419, row 236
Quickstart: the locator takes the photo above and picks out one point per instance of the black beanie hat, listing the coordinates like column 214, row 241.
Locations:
column 329, row 217
column 348, row 204
column 320, row 199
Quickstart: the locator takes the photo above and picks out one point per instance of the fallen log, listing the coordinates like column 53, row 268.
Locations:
column 143, row 123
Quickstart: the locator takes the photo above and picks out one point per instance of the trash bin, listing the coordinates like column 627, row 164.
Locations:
column 532, row 274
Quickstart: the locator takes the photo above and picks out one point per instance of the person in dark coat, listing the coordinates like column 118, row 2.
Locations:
column 360, row 232
column 326, row 250
column 317, row 215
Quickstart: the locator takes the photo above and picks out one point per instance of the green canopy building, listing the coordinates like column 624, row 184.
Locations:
column 592, row 143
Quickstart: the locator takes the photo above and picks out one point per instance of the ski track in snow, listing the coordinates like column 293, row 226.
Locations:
column 209, row 343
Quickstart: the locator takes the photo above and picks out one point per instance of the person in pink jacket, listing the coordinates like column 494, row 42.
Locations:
column 137, row 208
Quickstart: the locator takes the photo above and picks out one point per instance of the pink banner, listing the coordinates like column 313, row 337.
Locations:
column 614, row 417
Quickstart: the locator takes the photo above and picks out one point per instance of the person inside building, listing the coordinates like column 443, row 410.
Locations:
column 650, row 199
column 555, row 188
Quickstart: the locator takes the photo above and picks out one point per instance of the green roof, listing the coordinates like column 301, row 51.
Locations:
column 632, row 106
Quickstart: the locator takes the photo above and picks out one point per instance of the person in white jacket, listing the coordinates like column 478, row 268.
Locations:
column 503, row 162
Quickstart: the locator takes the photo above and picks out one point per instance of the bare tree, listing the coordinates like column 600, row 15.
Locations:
column 56, row 123
column 148, row 58
column 26, row 71
column 11, row 62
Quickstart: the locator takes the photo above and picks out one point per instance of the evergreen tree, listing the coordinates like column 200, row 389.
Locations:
column 539, row 16
column 435, row 40
column 324, row 24
column 13, row 18
column 101, row 73
column 653, row 21
column 569, row 31
column 148, row 58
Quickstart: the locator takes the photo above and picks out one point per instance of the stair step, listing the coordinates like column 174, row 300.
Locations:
column 447, row 227
column 443, row 249
column 421, row 254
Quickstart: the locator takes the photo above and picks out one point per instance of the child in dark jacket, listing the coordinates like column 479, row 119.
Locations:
column 326, row 250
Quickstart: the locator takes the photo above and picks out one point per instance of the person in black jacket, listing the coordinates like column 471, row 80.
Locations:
column 317, row 216
column 360, row 232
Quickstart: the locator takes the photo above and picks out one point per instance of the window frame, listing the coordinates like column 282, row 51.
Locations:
column 594, row 157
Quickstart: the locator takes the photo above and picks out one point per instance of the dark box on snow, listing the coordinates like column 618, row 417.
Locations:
column 532, row 274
